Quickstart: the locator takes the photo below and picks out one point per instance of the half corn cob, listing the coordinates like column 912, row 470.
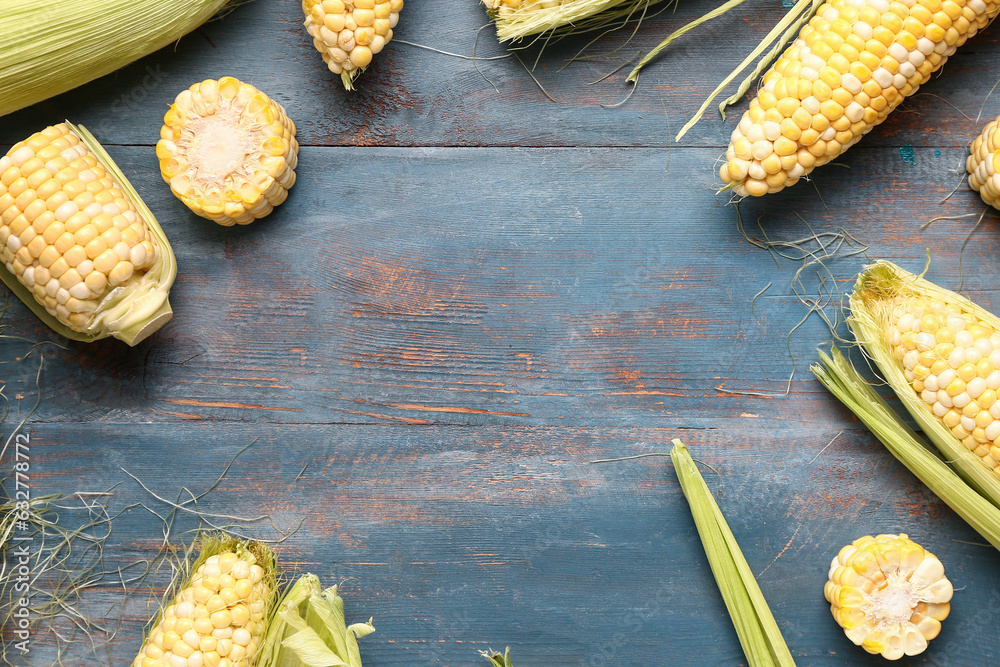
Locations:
column 889, row 595
column 228, row 151
column 80, row 247
column 983, row 161
column 46, row 53
column 940, row 353
column 220, row 614
column 853, row 63
column 348, row 33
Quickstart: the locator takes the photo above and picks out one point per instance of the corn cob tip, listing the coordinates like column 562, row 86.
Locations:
column 79, row 246
column 349, row 33
column 851, row 65
column 219, row 615
column 888, row 594
column 983, row 163
column 228, row 151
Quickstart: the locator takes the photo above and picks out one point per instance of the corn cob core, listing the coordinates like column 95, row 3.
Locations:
column 853, row 63
column 67, row 231
column 217, row 620
column 228, row 151
column 982, row 164
column 889, row 594
column 348, row 33
column 951, row 358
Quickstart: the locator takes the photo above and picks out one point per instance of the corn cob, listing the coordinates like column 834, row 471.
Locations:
column 941, row 355
column 889, row 595
column 348, row 33
column 80, row 247
column 853, row 63
column 228, row 151
column 982, row 163
column 219, row 615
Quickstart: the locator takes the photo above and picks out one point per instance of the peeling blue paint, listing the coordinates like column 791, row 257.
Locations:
column 906, row 154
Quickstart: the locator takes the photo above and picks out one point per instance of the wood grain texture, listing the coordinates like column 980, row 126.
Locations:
column 473, row 292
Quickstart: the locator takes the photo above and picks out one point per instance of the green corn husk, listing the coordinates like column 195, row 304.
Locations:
column 308, row 630
column 52, row 47
column 497, row 659
column 878, row 283
column 759, row 634
column 132, row 311
column 839, row 376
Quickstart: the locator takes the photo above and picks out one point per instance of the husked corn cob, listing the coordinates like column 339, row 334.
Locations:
column 228, row 151
column 218, row 617
column 982, row 163
column 950, row 356
column 853, row 63
column 79, row 241
column 889, row 594
column 348, row 33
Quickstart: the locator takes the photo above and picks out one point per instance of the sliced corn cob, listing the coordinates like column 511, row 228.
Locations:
column 219, row 615
column 348, row 33
column 228, row 151
column 982, row 163
column 853, row 63
column 80, row 247
column 940, row 353
column 889, row 595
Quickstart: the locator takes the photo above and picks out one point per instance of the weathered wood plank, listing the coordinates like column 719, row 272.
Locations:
column 496, row 535
column 415, row 97
column 593, row 298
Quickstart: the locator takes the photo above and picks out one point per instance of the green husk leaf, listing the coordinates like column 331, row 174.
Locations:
column 877, row 284
column 801, row 11
column 758, row 632
column 50, row 48
column 130, row 312
column 308, row 630
column 840, row 377
column 497, row 659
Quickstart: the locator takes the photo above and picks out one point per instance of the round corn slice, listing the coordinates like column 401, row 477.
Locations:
column 80, row 247
column 983, row 161
column 220, row 614
column 348, row 33
column 888, row 594
column 228, row 151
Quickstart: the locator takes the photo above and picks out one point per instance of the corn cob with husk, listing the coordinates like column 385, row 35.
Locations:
column 889, row 594
column 228, row 610
column 47, row 51
column 984, row 162
column 79, row 246
column 940, row 353
column 852, row 64
column 349, row 33
column 228, row 151
column 219, row 614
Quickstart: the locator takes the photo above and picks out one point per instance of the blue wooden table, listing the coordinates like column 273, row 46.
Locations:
column 473, row 292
